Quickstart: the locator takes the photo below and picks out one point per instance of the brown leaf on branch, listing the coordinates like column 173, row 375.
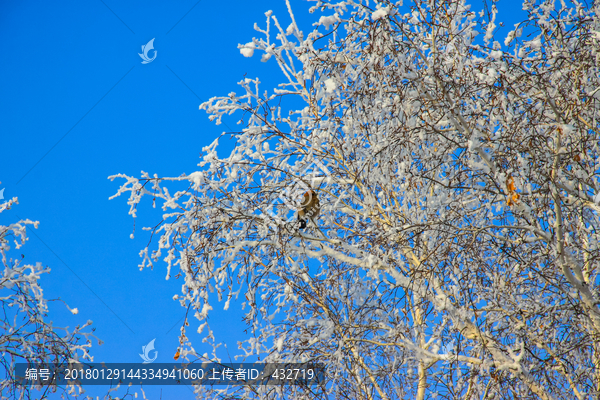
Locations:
column 513, row 197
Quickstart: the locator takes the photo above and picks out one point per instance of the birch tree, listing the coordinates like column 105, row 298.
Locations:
column 456, row 163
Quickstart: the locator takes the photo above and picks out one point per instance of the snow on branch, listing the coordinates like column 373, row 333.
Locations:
column 422, row 216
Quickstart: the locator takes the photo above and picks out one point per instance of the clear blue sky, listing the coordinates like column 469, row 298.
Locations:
column 77, row 106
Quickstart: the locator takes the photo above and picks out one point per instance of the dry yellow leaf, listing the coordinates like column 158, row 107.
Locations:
column 510, row 184
column 513, row 197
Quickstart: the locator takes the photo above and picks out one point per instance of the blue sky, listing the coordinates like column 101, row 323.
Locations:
column 78, row 105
